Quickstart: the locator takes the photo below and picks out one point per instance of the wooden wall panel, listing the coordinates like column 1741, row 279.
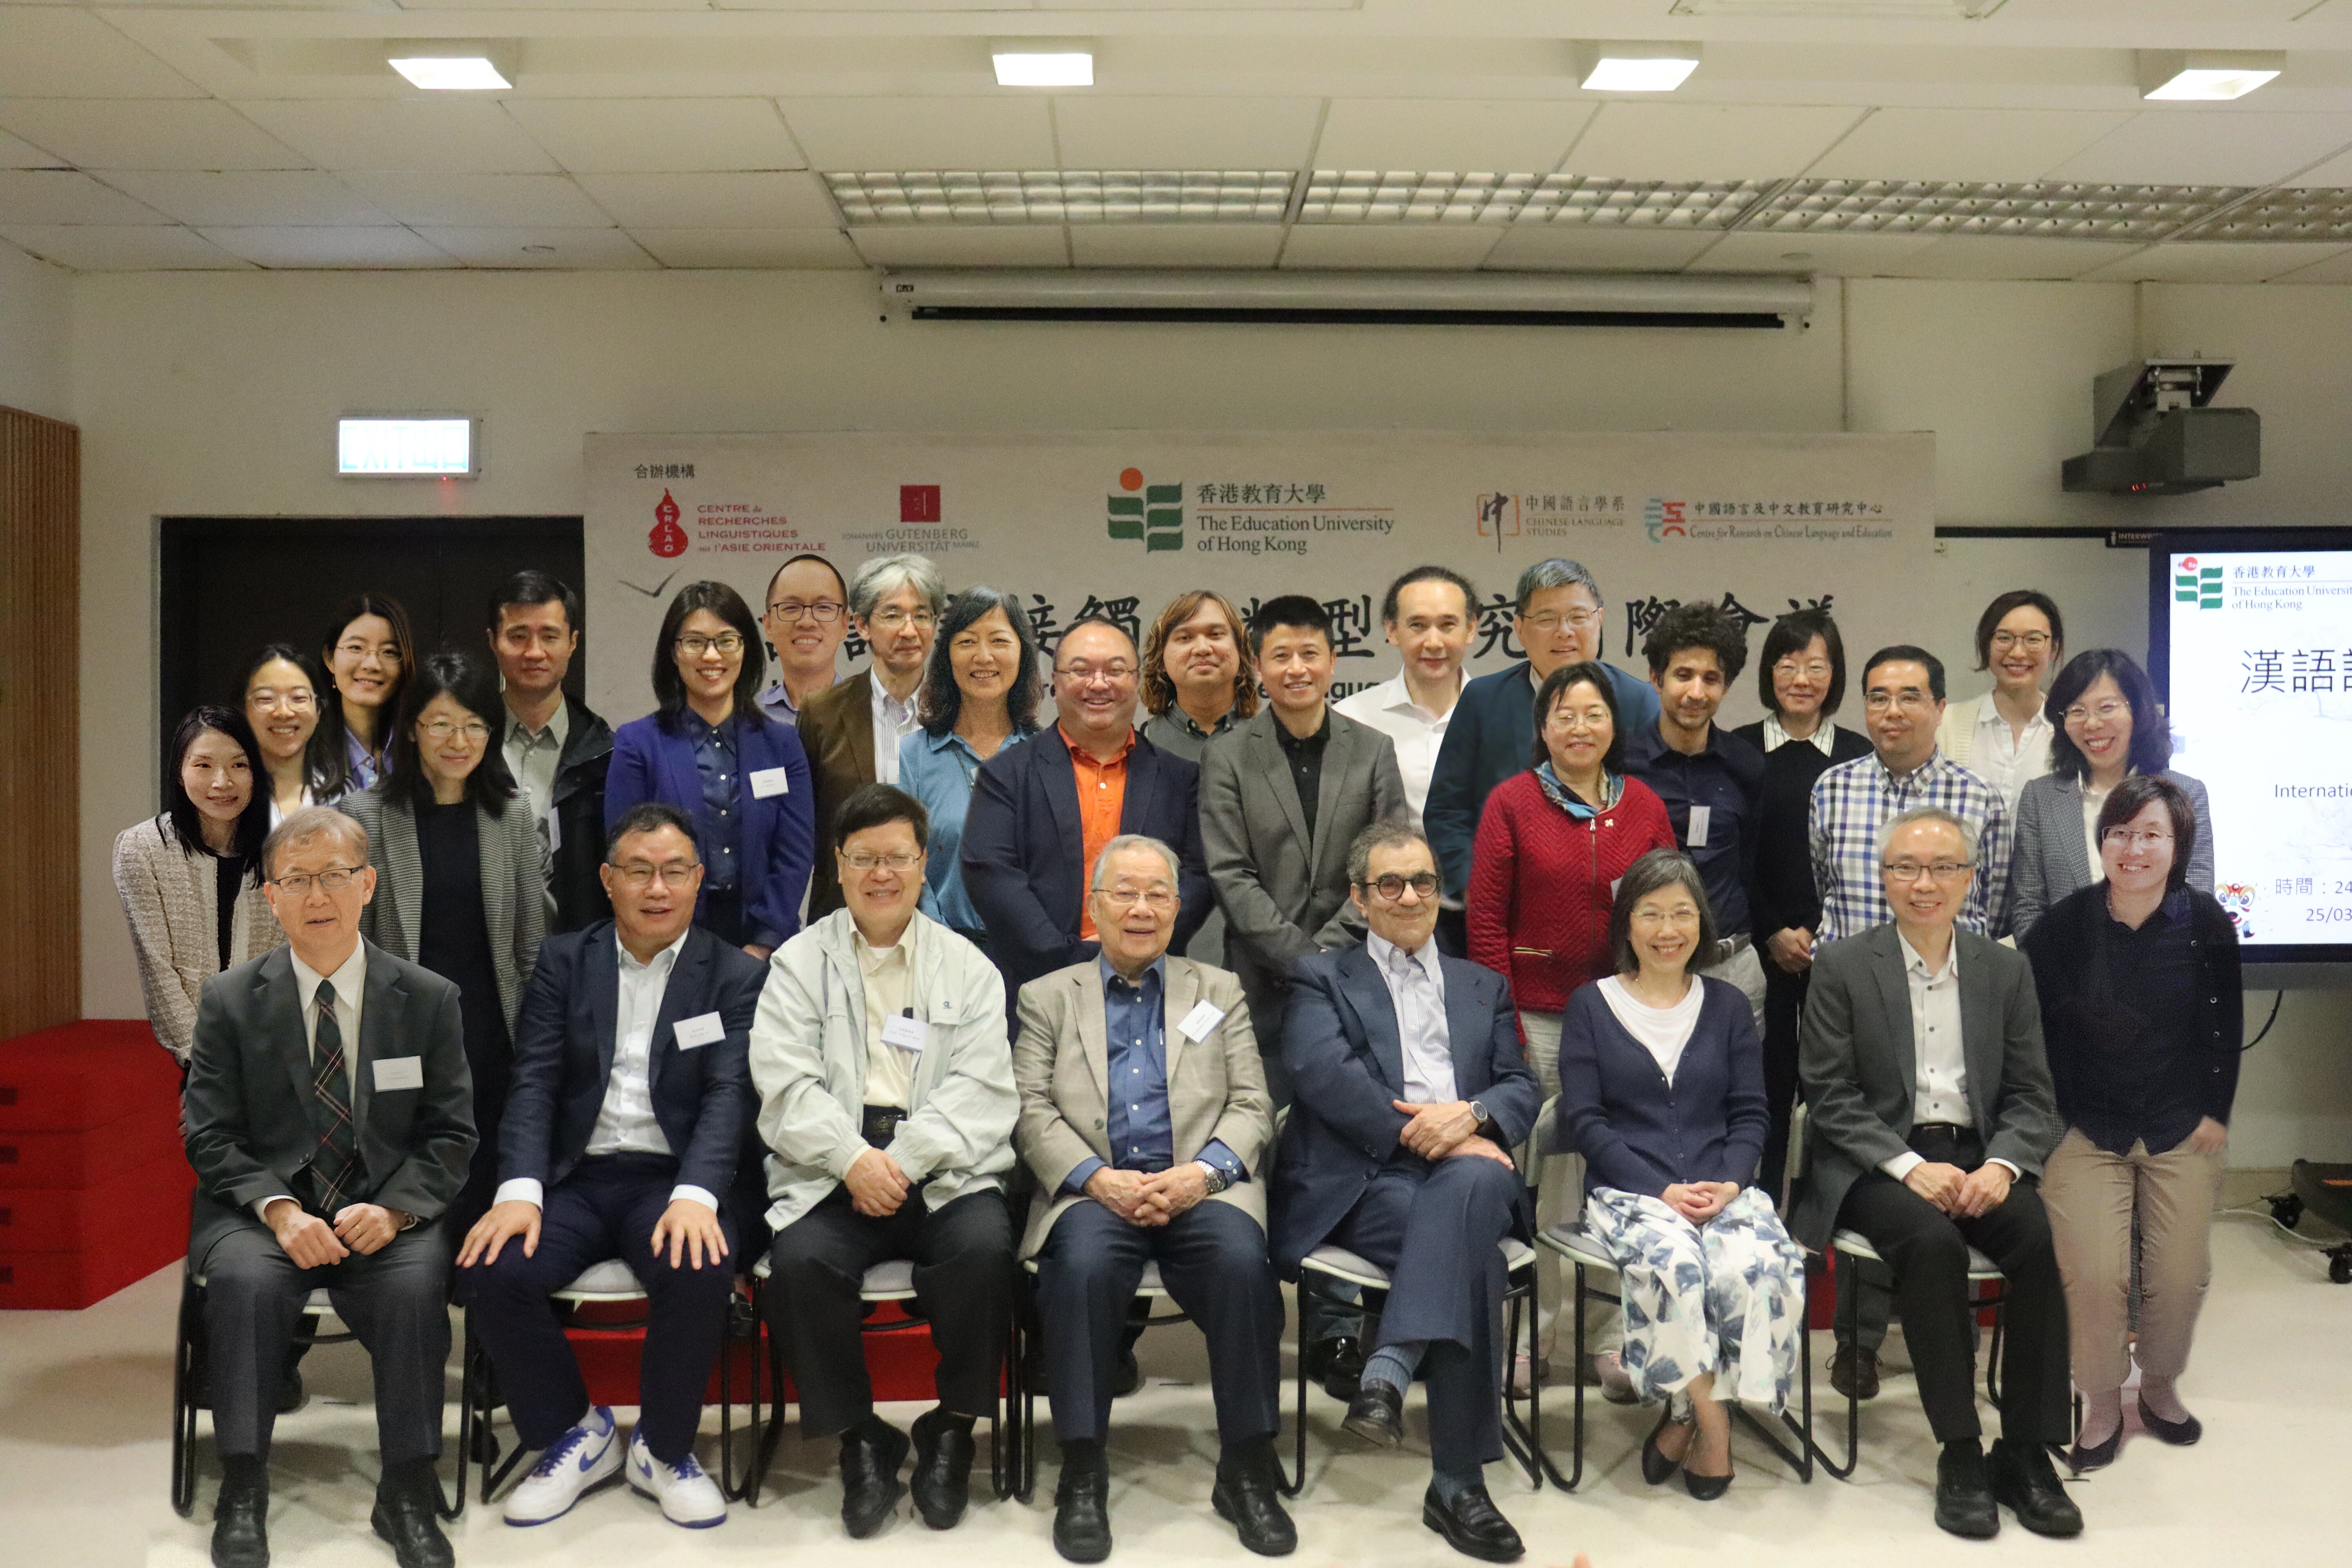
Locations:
column 40, row 722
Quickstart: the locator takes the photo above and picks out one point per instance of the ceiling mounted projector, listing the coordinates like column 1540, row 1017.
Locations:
column 2157, row 436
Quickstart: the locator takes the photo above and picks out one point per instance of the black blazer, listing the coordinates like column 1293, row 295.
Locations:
column 572, row 885
column 247, row 1103
column 564, row 1058
column 1347, row 1064
column 1783, row 894
column 1636, row 1134
column 1024, row 851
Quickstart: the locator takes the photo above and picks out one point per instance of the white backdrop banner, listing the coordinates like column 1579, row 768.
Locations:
column 1117, row 522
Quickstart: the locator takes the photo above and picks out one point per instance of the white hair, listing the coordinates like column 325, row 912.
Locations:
column 1127, row 841
column 1952, row 820
column 301, row 827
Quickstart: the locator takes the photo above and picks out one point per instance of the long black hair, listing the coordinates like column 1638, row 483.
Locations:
column 188, row 819
column 326, row 766
column 2151, row 740
column 669, row 687
column 395, row 615
column 939, row 701
column 471, row 682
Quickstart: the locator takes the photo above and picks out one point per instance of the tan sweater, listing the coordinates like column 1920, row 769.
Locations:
column 169, row 898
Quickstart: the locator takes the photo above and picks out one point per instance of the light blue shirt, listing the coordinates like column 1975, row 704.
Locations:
column 938, row 771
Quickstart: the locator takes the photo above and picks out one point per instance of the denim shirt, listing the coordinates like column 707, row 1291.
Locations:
column 1141, row 1127
column 938, row 771
column 718, row 823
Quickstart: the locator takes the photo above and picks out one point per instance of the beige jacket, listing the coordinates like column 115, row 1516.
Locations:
column 168, row 896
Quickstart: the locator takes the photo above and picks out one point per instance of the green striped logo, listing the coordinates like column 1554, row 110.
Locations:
column 1152, row 513
column 2198, row 585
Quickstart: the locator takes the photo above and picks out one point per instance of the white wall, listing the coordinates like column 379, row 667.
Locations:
column 210, row 392
column 36, row 302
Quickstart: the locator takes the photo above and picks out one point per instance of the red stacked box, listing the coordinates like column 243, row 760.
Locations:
column 94, row 1185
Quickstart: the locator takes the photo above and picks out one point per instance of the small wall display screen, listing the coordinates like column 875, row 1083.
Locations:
column 421, row 447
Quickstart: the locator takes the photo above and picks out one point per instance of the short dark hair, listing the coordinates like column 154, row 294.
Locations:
column 1659, row 868
column 532, row 586
column 1698, row 625
column 2135, row 794
column 875, row 806
column 939, row 701
column 2018, row 599
column 648, row 816
column 790, row 560
column 326, row 761
column 1288, row 610
column 472, row 682
column 1588, row 672
column 2151, row 741
column 1388, row 833
column 669, row 687
column 1429, row 574
column 1901, row 653
column 1795, row 633
column 186, row 819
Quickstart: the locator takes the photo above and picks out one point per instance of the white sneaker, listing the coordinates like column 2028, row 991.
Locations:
column 584, row 1458
column 687, row 1493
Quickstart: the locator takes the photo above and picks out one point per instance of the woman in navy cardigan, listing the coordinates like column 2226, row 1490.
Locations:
column 711, row 752
column 1661, row 1091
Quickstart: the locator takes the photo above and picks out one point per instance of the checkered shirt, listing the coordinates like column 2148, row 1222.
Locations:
column 1853, row 800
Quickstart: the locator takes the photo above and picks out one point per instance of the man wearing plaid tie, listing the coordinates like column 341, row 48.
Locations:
column 329, row 1119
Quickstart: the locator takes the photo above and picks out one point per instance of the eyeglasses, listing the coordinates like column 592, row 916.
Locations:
column 1812, row 669
column 898, row 860
column 893, row 618
column 694, row 645
column 299, row 700
column 824, row 611
column 1116, row 671
column 442, row 729
column 1942, row 870
column 1575, row 621
column 1391, row 887
column 2128, row 838
column 333, row 879
column 389, row 653
column 1909, row 698
column 1159, row 897
column 2033, row 642
column 671, row 873
column 2106, row 712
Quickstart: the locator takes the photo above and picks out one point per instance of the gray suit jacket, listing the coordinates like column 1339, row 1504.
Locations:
column 1061, row 1061
column 514, row 886
column 1285, row 895
column 2051, row 860
column 1860, row 1069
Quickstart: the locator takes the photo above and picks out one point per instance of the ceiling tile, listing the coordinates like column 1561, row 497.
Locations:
column 1175, row 244
column 2001, row 256
column 2216, row 147
column 1029, row 245
column 51, row 195
column 283, row 198
column 1979, row 146
column 2335, row 270
column 93, row 247
column 714, row 201
column 147, row 134
column 1457, row 137
column 888, row 135
column 2334, row 174
column 752, row 248
column 57, row 51
column 583, row 250
column 1705, row 140
column 607, row 136
column 1336, row 245
column 482, row 200
column 438, row 135
column 18, row 153
column 337, row 247
column 2217, row 263
column 1814, row 254
column 1185, row 133
column 1548, row 247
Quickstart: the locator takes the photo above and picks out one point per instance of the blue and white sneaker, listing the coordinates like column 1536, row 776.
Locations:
column 687, row 1493
column 585, row 1457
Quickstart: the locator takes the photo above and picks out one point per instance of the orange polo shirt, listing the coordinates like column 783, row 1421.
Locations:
column 1102, row 795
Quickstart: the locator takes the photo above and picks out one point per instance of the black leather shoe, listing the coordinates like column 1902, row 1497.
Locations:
column 871, row 1454
column 2098, row 1457
column 942, row 1478
column 1706, row 1489
column 1376, row 1414
column 1472, row 1525
column 2179, row 1434
column 1338, row 1365
column 1082, row 1513
column 1246, row 1498
column 406, row 1516
column 1964, row 1504
column 1854, row 1372
column 2025, row 1481
column 241, row 1516
column 1655, row 1466
column 291, row 1392
column 1130, row 1375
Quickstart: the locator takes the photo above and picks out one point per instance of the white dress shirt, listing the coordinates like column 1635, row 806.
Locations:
column 351, row 981
column 1998, row 756
column 1940, row 1091
column 894, row 721
column 1417, row 733
column 1823, row 738
column 1416, row 983
column 2094, row 801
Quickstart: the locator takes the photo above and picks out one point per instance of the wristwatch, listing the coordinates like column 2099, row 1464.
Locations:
column 1218, row 1180
column 1479, row 1110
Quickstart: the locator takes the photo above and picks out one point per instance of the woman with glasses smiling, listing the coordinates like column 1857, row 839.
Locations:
column 369, row 653
column 299, row 754
column 2003, row 736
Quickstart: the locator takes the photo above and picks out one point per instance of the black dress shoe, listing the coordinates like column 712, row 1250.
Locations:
column 1082, row 1513
column 1246, row 1498
column 1655, row 1466
column 2097, row 1456
column 1130, row 1375
column 1339, row 1367
column 405, row 1515
column 1472, row 1525
column 2179, row 1434
column 2027, row 1482
column 1964, row 1504
column 240, row 1519
column 871, row 1454
column 1854, row 1372
column 1706, row 1489
column 289, row 1392
column 942, row 1478
column 1376, row 1414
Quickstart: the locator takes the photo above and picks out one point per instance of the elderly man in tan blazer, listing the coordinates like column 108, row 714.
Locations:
column 1145, row 1117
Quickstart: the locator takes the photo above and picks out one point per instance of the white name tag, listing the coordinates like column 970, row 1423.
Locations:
column 1697, row 837
column 766, row 782
column 702, row 1031
column 399, row 1072
column 1613, row 886
column 1204, row 1017
column 910, row 1035
column 554, row 829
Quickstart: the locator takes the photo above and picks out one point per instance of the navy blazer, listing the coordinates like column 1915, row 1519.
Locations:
column 1025, row 850
column 779, row 833
column 1640, row 1134
column 1489, row 739
column 1346, row 1058
column 564, row 1048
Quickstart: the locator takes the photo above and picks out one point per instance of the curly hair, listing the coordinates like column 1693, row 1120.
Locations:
column 1158, row 691
column 1698, row 625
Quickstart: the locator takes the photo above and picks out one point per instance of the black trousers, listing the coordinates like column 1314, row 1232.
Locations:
column 396, row 1300
column 963, row 1284
column 1928, row 1252
column 1784, row 1008
column 606, row 1208
column 1211, row 1258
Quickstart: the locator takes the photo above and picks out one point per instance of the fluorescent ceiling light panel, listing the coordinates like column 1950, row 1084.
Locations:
column 1902, row 10
column 451, row 73
column 1044, row 62
column 434, row 447
column 1385, row 196
column 2206, row 75
column 1617, row 67
column 1062, row 196
column 2306, row 215
column 2040, row 210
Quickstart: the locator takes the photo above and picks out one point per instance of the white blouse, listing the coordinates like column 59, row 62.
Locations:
column 1662, row 1031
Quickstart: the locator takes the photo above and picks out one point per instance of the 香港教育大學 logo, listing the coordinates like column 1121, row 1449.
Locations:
column 1662, row 519
column 1150, row 512
column 2195, row 585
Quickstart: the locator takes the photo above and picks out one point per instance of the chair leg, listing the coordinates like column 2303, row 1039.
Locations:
column 1850, row 1311
column 1520, row 1438
column 187, row 1383
column 1993, row 1379
column 1798, row 1456
column 1294, row 1482
column 765, row 1438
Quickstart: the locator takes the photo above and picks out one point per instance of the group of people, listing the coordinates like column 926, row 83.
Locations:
column 949, row 962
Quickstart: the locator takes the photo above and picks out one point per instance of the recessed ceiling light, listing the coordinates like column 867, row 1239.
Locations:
column 1044, row 62
column 1618, row 67
column 451, row 73
column 2207, row 75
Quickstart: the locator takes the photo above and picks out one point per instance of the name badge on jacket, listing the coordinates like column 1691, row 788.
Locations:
column 399, row 1072
column 1697, row 837
column 909, row 1035
column 766, row 782
column 702, row 1030
column 1204, row 1017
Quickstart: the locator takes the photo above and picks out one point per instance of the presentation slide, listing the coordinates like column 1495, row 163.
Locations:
column 2253, row 642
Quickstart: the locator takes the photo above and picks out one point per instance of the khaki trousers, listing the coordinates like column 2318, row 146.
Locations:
column 2091, row 1196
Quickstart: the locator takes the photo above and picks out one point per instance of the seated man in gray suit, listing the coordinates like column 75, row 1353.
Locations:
column 1144, row 1116
column 1930, row 1113
column 1410, row 1086
column 329, row 1119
